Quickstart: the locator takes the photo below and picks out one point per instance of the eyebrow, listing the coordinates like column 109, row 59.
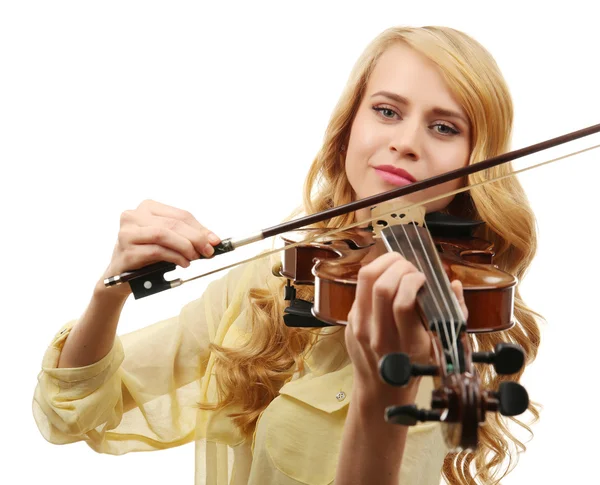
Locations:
column 436, row 110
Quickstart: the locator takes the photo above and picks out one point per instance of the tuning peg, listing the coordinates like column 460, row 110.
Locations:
column 410, row 415
column 507, row 358
column 396, row 369
column 512, row 399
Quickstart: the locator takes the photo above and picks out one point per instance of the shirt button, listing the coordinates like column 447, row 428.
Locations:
column 340, row 396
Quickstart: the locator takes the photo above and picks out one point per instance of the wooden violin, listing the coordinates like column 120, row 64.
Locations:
column 443, row 249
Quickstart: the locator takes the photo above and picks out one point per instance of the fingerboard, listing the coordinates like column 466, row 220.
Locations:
column 436, row 298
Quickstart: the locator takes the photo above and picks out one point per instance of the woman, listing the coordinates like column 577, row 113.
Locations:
column 269, row 404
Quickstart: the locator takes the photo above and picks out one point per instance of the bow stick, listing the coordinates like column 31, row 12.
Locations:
column 150, row 280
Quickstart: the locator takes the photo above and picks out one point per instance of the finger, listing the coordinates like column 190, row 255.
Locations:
column 370, row 273
column 363, row 300
column 159, row 209
column 199, row 236
column 458, row 290
column 405, row 303
column 158, row 236
column 138, row 256
column 385, row 294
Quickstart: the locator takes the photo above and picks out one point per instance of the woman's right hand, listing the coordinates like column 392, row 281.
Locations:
column 156, row 232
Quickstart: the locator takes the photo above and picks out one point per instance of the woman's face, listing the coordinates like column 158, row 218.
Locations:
column 408, row 127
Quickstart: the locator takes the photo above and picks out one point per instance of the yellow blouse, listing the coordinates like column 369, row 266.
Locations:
column 143, row 396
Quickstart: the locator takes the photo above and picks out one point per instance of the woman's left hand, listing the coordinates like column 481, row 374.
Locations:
column 384, row 319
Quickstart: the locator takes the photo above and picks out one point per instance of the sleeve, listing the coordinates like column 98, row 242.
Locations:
column 143, row 394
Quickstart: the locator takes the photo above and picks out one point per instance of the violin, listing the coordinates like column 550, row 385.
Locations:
column 444, row 248
column 330, row 259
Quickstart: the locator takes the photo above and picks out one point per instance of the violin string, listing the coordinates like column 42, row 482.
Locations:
column 409, row 206
column 436, row 319
column 459, row 313
column 450, row 340
column 427, row 302
column 429, row 269
column 460, row 318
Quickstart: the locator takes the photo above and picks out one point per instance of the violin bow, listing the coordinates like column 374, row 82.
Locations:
column 150, row 279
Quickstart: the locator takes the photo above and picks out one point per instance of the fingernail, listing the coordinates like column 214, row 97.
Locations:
column 208, row 250
column 213, row 238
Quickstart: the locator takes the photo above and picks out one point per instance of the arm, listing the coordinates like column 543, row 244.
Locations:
column 140, row 391
column 383, row 319
column 372, row 449
column 143, row 394
column 93, row 336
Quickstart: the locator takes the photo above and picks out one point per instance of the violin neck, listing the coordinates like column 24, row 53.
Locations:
column 436, row 298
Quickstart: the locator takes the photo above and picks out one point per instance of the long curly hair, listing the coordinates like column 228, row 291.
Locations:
column 250, row 377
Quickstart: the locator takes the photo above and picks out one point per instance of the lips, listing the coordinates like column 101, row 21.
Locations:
column 394, row 175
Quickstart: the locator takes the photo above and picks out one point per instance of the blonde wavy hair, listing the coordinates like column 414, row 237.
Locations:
column 250, row 377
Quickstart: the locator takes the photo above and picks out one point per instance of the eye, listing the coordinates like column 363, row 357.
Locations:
column 386, row 112
column 445, row 129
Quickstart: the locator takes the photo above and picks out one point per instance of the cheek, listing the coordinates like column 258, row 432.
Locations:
column 360, row 148
column 453, row 158
column 365, row 136
column 354, row 170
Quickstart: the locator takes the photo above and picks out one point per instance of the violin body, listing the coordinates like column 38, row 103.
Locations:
column 332, row 265
column 448, row 252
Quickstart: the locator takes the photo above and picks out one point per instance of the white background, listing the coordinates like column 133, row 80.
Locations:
column 220, row 110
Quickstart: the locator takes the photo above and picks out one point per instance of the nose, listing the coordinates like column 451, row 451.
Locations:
column 405, row 141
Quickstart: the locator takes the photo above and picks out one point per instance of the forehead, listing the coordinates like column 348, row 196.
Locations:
column 408, row 73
